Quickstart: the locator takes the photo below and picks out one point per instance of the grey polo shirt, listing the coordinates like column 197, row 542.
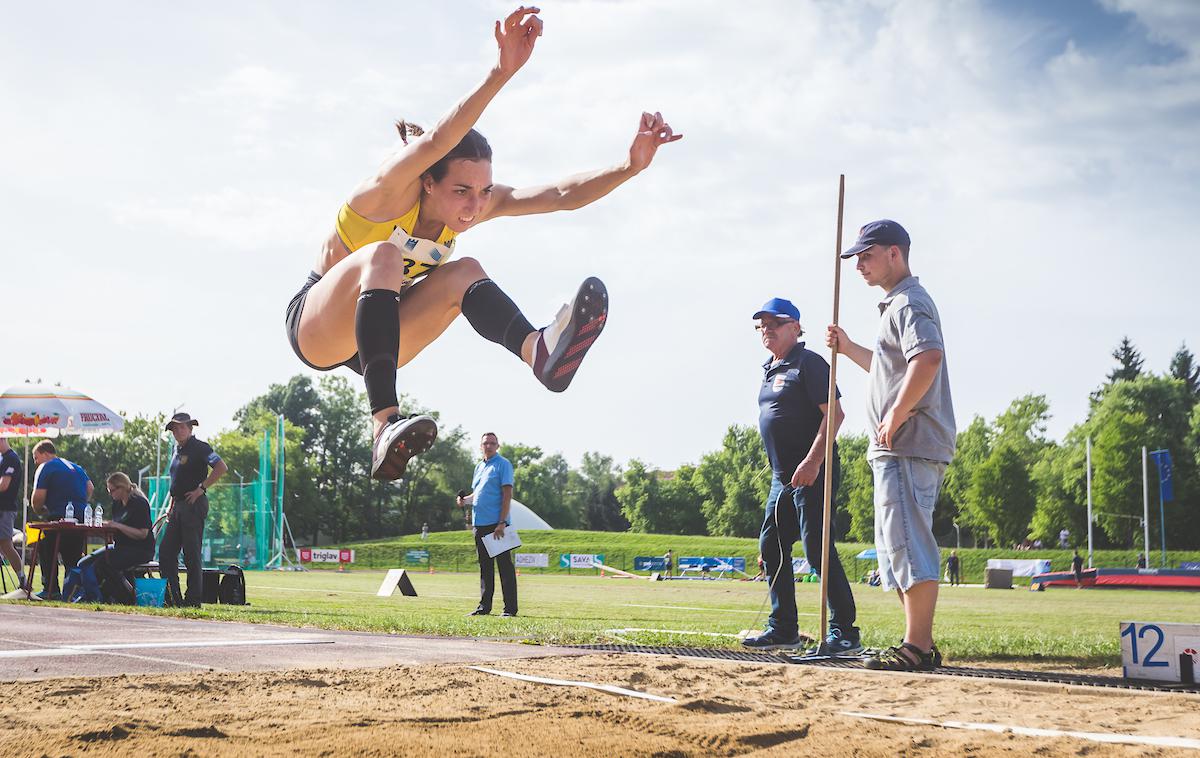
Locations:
column 908, row 326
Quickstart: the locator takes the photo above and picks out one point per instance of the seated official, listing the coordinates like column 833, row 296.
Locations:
column 133, row 541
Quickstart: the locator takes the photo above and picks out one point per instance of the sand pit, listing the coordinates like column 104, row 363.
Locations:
column 723, row 708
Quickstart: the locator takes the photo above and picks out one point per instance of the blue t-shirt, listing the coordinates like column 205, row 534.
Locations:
column 490, row 476
column 64, row 482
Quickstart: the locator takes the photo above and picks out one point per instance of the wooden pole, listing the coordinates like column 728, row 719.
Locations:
column 830, row 429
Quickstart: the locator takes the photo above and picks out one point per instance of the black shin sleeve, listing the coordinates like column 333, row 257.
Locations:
column 495, row 316
column 377, row 331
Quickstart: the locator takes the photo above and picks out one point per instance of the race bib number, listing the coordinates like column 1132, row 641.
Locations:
column 420, row 255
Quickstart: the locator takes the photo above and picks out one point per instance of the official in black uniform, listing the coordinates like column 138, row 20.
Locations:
column 793, row 402
column 133, row 541
column 190, row 480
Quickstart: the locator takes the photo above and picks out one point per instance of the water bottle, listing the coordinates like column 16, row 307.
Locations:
column 69, row 514
column 87, row 515
column 98, row 515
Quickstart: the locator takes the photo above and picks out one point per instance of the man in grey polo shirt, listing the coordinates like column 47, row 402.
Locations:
column 912, row 438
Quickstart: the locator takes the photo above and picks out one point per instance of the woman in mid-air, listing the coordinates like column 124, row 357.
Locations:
column 384, row 287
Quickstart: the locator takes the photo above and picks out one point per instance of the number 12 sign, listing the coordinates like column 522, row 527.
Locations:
column 1162, row 652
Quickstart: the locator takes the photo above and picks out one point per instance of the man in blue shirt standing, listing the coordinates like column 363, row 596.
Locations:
column 56, row 483
column 491, row 497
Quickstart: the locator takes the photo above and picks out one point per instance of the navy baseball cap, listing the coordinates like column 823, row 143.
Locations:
column 882, row 232
column 777, row 306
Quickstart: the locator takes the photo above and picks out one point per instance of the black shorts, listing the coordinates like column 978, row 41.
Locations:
column 292, row 320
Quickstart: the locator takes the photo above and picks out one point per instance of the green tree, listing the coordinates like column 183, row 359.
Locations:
column 856, row 494
column 1155, row 412
column 592, row 494
column 1000, row 499
column 661, row 503
column 1184, row 368
column 1130, row 362
column 973, row 446
column 733, row 484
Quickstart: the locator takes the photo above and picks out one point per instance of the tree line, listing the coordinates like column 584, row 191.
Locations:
column 1008, row 483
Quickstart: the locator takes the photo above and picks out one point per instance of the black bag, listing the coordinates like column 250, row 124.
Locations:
column 233, row 586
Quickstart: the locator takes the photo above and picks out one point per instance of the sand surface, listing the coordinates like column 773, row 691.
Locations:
column 723, row 708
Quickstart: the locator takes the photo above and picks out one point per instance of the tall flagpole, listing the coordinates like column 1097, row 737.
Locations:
column 830, row 429
column 1089, row 499
column 1145, row 507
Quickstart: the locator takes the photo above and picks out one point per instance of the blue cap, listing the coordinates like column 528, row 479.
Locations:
column 777, row 306
column 882, row 232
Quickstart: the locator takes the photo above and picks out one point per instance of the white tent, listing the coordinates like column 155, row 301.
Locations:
column 524, row 519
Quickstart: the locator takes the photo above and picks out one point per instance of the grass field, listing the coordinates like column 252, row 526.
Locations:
column 455, row 551
column 1060, row 625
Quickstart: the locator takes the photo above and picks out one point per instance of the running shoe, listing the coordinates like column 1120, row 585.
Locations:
column 771, row 640
column 893, row 659
column 562, row 345
column 400, row 439
column 839, row 644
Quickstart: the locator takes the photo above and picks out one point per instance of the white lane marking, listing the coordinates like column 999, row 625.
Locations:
column 669, row 631
column 693, row 608
column 346, row 592
column 1028, row 731
column 105, row 648
column 567, row 683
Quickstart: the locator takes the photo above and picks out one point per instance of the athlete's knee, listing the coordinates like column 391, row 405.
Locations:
column 466, row 270
column 380, row 259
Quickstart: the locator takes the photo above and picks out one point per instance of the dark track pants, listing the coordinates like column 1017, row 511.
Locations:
column 185, row 530
column 487, row 575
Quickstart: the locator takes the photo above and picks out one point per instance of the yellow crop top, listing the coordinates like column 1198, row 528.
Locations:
column 420, row 255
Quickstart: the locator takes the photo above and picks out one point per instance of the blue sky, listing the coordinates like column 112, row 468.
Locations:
column 167, row 174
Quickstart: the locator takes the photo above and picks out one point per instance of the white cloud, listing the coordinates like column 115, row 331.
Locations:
column 1039, row 190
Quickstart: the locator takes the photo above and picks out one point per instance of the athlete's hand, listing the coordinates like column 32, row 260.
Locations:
column 515, row 36
column 806, row 473
column 885, row 434
column 653, row 131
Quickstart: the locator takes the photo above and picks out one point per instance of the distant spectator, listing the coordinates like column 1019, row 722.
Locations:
column 1077, row 569
column 668, row 562
column 953, row 567
column 57, row 483
column 1141, row 562
column 424, row 532
column 1063, row 538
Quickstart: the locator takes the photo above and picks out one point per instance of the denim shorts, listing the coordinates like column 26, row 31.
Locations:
column 906, row 490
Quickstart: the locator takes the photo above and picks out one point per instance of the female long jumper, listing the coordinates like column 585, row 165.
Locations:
column 384, row 287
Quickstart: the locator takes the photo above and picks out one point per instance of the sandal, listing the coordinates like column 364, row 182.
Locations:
column 905, row 657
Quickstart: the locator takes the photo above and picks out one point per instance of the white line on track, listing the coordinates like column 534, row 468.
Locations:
column 693, row 608
column 1027, row 731
column 669, row 631
column 47, row 652
column 346, row 592
column 567, row 683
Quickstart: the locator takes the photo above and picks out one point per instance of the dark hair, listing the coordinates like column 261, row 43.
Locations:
column 45, row 446
column 489, row 434
column 473, row 147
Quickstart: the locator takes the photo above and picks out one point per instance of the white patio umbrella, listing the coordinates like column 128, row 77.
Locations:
column 36, row 410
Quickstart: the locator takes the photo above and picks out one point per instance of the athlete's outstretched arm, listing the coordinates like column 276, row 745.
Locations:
column 581, row 189
column 515, row 39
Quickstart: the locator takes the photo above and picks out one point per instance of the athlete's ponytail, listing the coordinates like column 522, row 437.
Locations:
column 406, row 129
column 473, row 147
